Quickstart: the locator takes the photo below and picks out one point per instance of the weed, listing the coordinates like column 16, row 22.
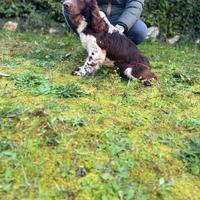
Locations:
column 69, row 90
column 5, row 144
column 190, row 124
column 191, row 155
column 188, row 77
column 39, row 85
column 30, row 80
column 77, row 122
column 9, row 116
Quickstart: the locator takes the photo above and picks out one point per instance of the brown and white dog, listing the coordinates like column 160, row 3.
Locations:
column 102, row 40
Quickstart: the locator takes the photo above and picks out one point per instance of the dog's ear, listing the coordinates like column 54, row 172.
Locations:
column 97, row 23
column 93, row 18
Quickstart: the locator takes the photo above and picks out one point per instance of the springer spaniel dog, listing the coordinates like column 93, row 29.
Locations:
column 102, row 40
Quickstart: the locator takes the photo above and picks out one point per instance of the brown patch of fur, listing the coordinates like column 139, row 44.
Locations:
column 90, row 14
column 77, row 19
column 98, row 24
column 125, row 54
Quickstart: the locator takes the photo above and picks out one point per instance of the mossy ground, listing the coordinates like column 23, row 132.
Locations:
column 113, row 140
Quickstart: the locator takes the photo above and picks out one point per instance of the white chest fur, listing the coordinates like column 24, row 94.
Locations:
column 96, row 55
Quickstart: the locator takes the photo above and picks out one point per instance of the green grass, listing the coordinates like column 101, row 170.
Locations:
column 100, row 137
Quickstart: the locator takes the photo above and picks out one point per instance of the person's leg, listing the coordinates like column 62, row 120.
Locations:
column 138, row 32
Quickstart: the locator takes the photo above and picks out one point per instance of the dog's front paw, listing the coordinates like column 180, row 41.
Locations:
column 79, row 71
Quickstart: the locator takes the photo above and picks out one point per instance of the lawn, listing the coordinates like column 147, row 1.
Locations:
column 100, row 137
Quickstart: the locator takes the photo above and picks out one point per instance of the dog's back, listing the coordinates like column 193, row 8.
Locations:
column 119, row 48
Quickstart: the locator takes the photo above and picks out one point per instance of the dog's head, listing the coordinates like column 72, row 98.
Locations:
column 77, row 7
column 89, row 10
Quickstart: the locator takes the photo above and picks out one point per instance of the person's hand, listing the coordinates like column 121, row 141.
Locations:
column 120, row 28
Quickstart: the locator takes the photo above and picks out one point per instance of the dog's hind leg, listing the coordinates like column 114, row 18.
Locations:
column 140, row 72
